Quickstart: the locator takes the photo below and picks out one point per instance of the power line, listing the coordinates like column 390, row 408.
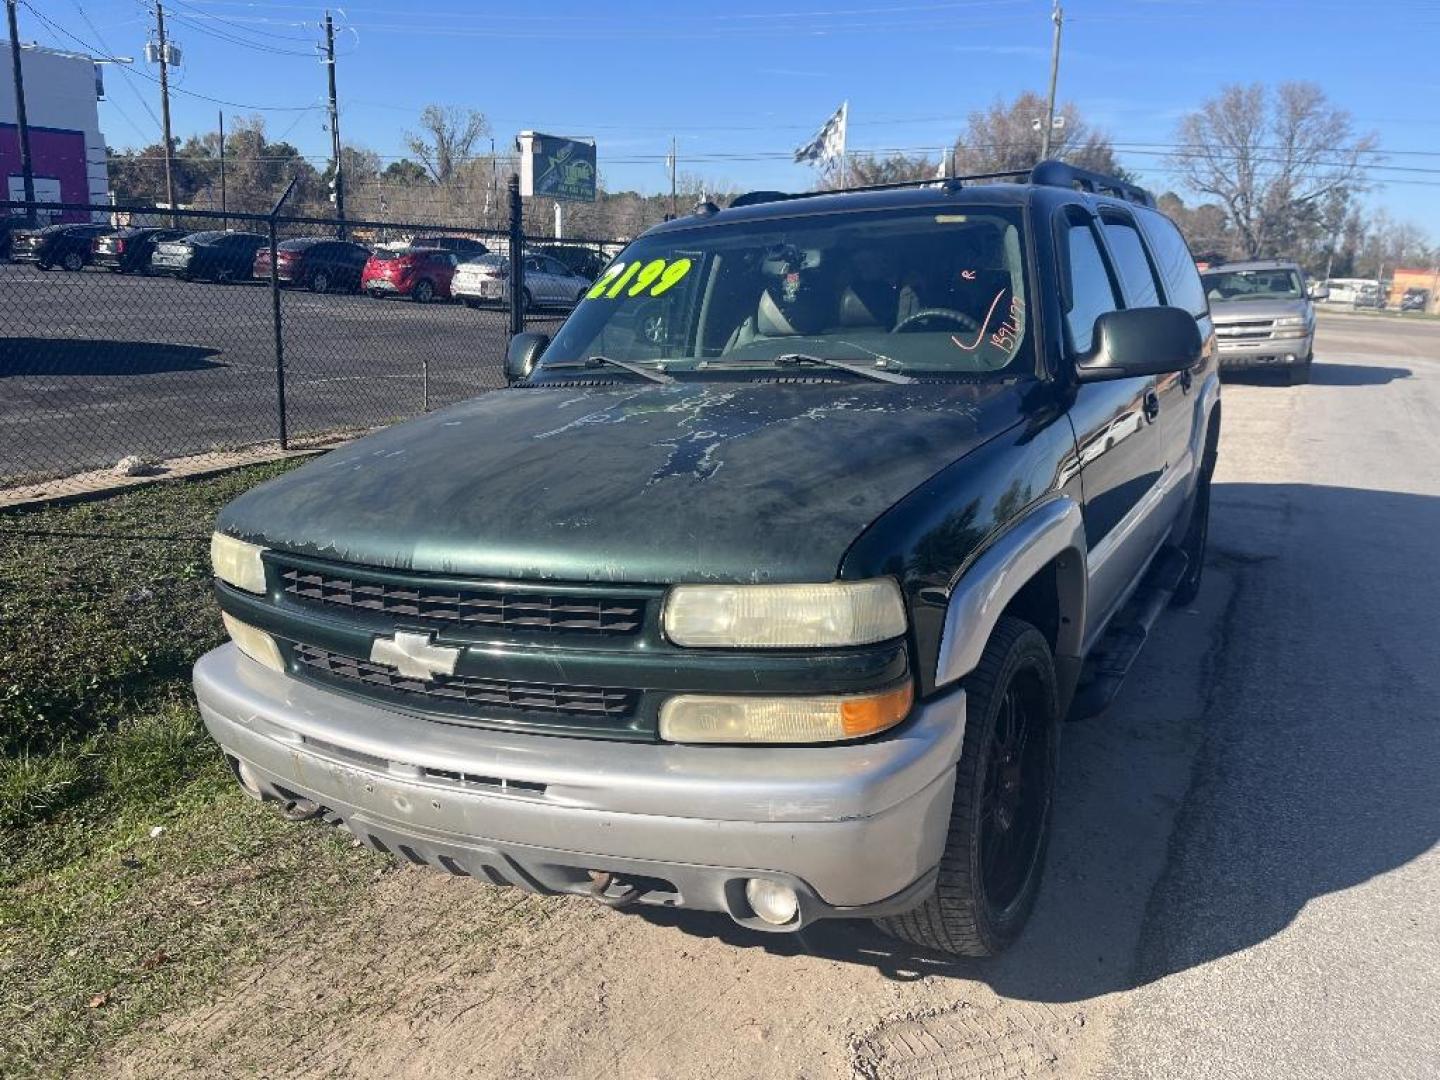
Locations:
column 220, row 35
column 105, row 55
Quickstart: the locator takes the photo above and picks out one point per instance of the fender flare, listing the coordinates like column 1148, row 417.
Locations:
column 1050, row 530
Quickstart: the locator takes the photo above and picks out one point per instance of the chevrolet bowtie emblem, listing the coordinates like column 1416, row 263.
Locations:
column 415, row 655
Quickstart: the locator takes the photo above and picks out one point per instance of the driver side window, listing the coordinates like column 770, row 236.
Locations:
column 1091, row 290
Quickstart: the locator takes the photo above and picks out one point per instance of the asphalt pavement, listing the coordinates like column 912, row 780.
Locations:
column 96, row 366
column 1295, row 929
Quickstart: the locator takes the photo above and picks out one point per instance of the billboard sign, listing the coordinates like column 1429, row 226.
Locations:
column 554, row 167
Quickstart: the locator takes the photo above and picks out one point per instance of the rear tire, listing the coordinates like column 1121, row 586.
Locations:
column 320, row 282
column 1004, row 791
column 73, row 261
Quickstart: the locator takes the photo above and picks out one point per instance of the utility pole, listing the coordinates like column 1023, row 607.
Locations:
column 339, row 181
column 27, row 171
column 674, row 211
column 165, row 110
column 224, row 205
column 1057, row 16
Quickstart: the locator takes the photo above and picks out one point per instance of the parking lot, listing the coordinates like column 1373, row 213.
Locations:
column 1243, row 880
column 95, row 366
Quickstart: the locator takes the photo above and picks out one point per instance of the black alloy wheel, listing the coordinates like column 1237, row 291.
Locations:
column 994, row 856
column 423, row 292
column 73, row 261
column 320, row 282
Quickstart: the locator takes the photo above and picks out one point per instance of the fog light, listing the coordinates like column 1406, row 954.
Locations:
column 774, row 901
column 247, row 779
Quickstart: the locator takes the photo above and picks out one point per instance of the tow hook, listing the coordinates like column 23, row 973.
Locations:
column 600, row 882
column 300, row 810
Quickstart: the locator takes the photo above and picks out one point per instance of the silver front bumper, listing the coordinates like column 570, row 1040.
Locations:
column 855, row 829
column 1265, row 352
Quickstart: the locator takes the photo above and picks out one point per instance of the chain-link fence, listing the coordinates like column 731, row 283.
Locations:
column 161, row 335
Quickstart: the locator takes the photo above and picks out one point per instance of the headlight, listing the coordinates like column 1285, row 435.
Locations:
column 254, row 642
column 1291, row 323
column 784, row 616
column 237, row 563
column 703, row 718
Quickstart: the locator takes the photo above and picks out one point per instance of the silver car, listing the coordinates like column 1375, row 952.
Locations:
column 1264, row 316
column 548, row 283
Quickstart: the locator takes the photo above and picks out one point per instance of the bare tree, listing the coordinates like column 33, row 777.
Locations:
column 1271, row 157
column 865, row 169
column 1007, row 137
column 446, row 139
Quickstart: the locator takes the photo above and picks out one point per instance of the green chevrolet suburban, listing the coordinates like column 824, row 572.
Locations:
column 766, row 586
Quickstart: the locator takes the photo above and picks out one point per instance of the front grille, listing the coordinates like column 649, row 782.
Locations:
column 451, row 605
column 468, row 692
column 1257, row 330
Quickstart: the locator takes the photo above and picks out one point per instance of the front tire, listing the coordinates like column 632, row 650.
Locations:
column 73, row 261
column 1300, row 373
column 423, row 292
column 320, row 282
column 1004, row 790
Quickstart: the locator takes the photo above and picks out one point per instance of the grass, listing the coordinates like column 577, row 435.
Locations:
column 133, row 871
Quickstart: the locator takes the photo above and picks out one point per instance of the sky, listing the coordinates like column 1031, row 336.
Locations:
column 740, row 84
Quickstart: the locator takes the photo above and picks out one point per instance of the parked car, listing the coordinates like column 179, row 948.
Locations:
column 55, row 245
column 1369, row 296
column 462, row 247
column 1415, row 299
column 778, row 616
column 422, row 274
column 548, row 283
column 211, row 256
column 128, row 250
column 1264, row 316
column 316, row 262
column 582, row 261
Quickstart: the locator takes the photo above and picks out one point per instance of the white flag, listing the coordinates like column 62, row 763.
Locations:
column 828, row 146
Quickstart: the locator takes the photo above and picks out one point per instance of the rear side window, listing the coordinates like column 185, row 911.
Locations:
column 1091, row 292
column 1175, row 263
column 1136, row 274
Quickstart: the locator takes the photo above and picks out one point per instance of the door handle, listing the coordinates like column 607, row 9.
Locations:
column 1152, row 405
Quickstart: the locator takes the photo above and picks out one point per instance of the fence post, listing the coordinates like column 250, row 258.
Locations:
column 517, row 259
column 279, row 335
column 275, row 309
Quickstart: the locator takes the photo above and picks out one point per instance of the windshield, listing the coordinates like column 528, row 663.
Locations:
column 909, row 290
column 1253, row 285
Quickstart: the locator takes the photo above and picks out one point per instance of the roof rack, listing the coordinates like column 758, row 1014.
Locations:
column 1050, row 173
column 1059, row 174
column 947, row 183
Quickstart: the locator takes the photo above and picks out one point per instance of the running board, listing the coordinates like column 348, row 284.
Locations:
column 1110, row 661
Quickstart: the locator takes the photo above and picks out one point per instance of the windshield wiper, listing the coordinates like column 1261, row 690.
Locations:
column 623, row 365
column 878, row 374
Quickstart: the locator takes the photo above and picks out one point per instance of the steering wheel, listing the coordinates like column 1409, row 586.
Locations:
column 965, row 321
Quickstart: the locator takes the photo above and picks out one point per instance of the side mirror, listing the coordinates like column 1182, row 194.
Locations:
column 1141, row 341
column 1318, row 292
column 522, row 355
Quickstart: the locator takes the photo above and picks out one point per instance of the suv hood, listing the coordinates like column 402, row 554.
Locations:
column 1232, row 311
column 686, row 482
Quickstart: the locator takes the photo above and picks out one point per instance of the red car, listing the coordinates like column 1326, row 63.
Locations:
column 423, row 274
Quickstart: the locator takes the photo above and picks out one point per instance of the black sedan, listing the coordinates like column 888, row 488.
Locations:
column 128, row 251
column 209, row 256
column 56, row 245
